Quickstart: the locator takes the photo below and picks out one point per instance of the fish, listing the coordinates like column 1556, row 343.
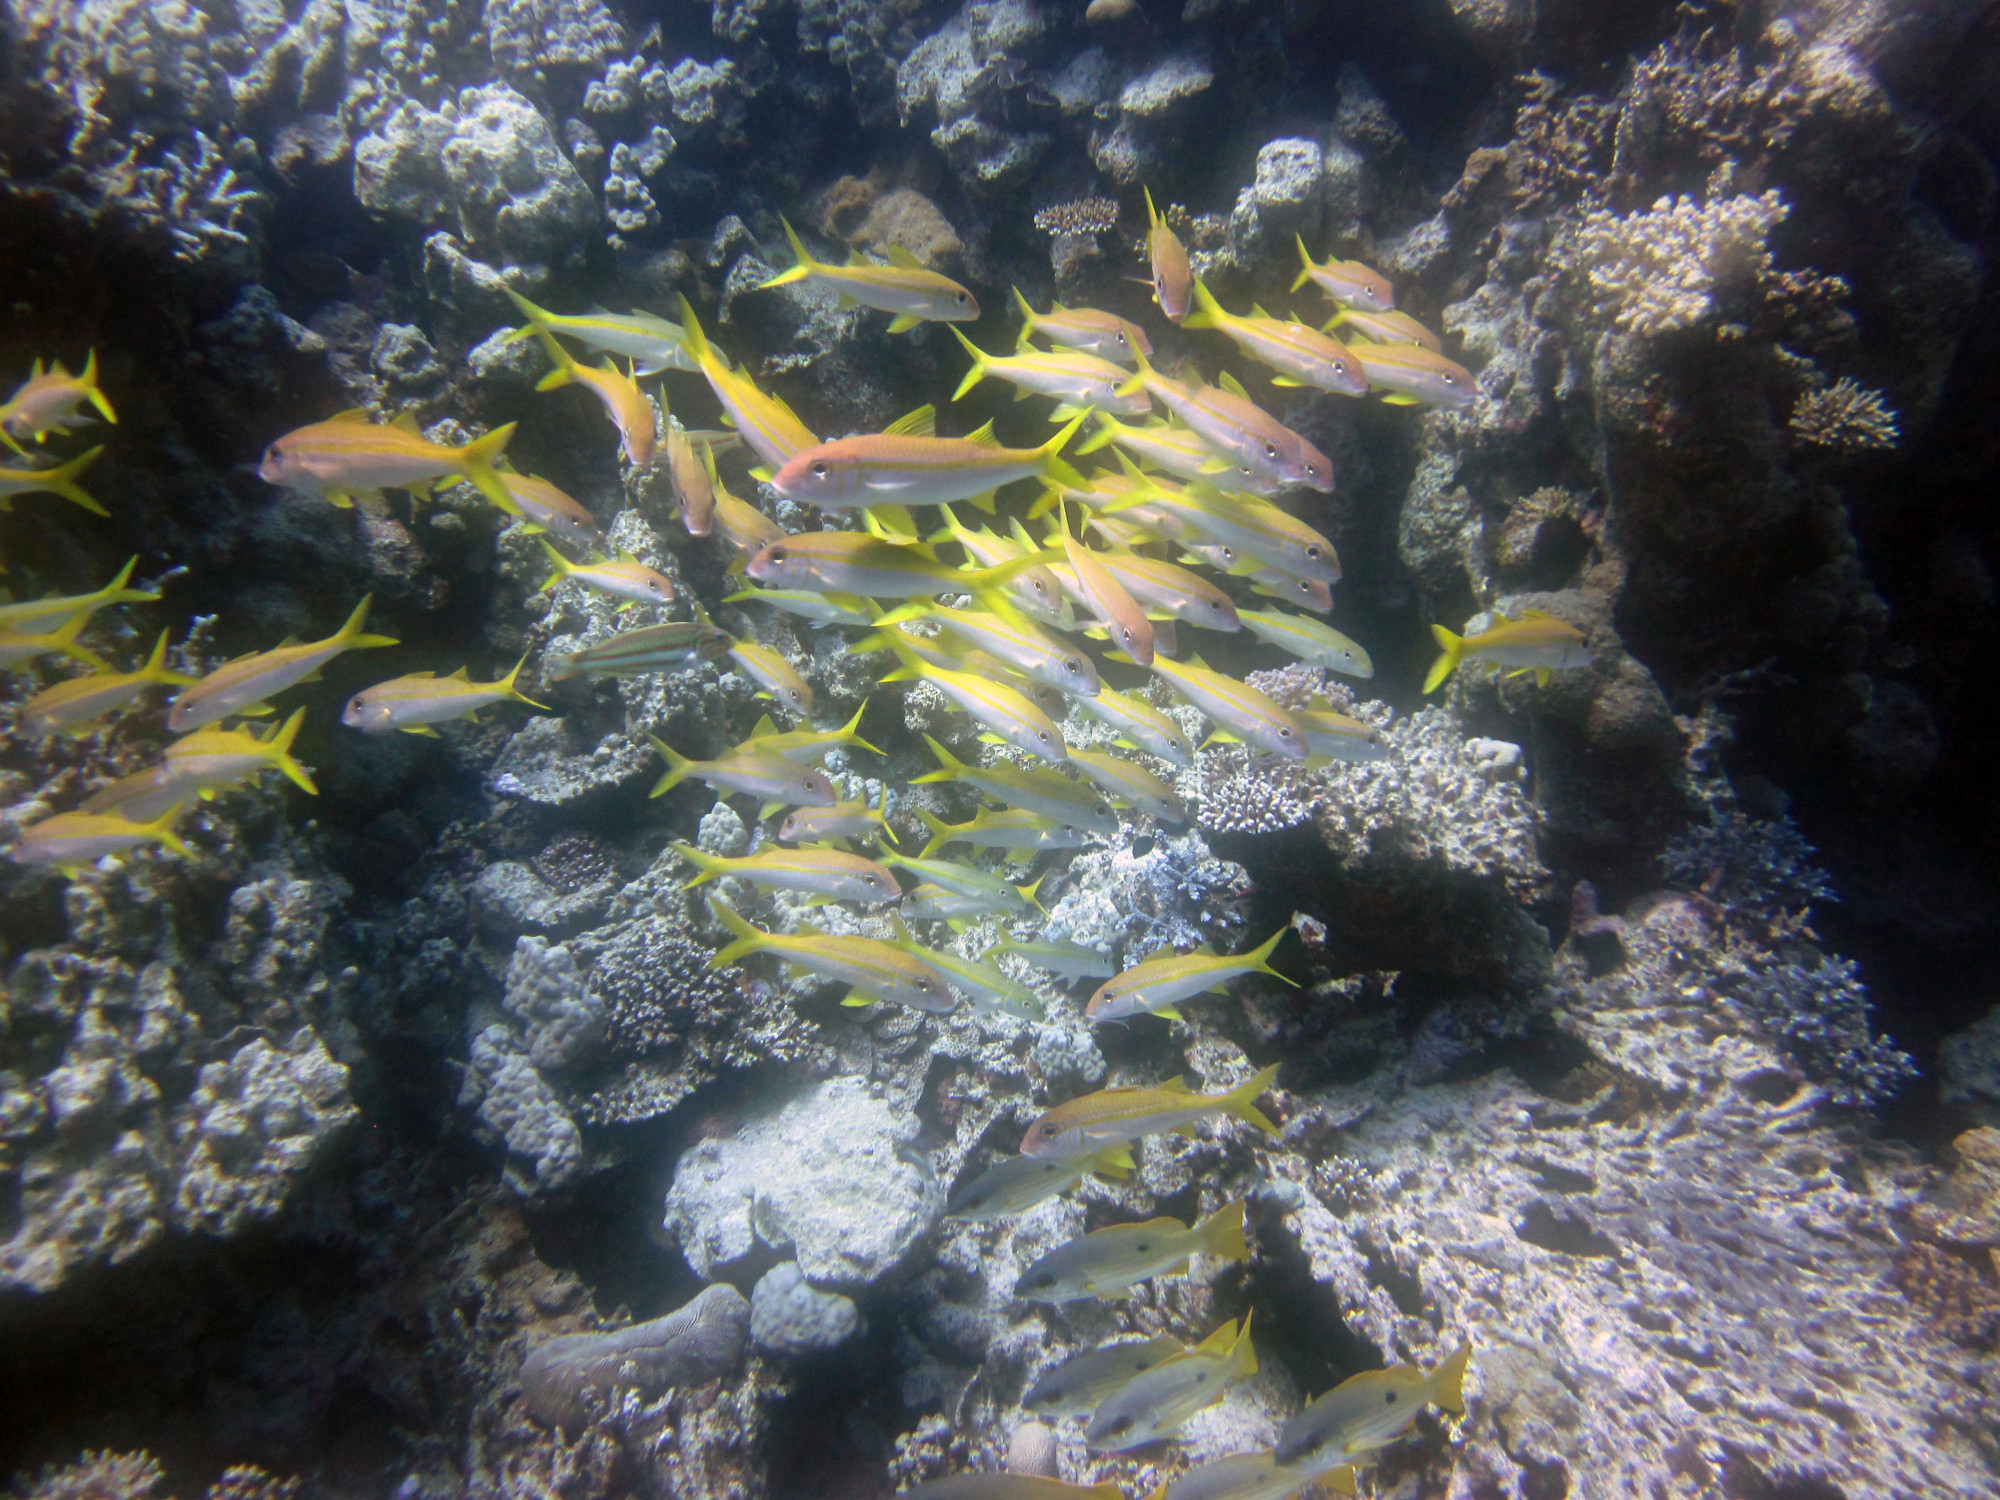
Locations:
column 238, row 687
column 852, row 562
column 933, row 903
column 1177, row 448
column 776, row 780
column 1080, row 1383
column 1141, row 726
column 1345, row 281
column 1104, row 334
column 1173, row 280
column 964, row 880
column 623, row 577
column 739, row 523
column 1108, row 1263
column 1022, row 645
column 542, row 507
column 827, row 873
column 212, row 758
column 1053, row 956
column 875, row 970
column 1413, row 375
column 1335, row 736
column 1385, row 328
column 688, row 476
column 1123, row 618
column 32, row 616
column 1309, row 640
column 1315, row 594
column 651, row 343
column 1077, row 380
column 842, row 820
column 1155, row 1404
column 630, row 410
column 985, row 986
column 808, row 747
column 1017, row 1183
column 777, row 677
column 348, row 454
column 1007, row 1487
column 1251, row 1476
column 1110, row 1116
column 1009, row 716
column 1302, row 356
column 19, row 646
column 1132, row 784
column 1033, row 590
column 72, row 706
column 1054, row 796
column 414, row 702
column 1241, row 433
column 904, row 287
column 51, row 400
column 59, row 480
column 1537, row 642
column 71, row 840
column 771, row 429
column 1164, row 586
column 1159, row 982
column 820, row 609
column 674, row 646
column 1239, row 710
column 1369, row 1410
column 1025, row 833
column 916, row 467
column 1261, row 532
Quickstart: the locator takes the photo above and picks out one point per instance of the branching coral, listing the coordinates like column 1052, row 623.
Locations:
column 202, row 204
column 1846, row 416
column 1080, row 216
column 1662, row 270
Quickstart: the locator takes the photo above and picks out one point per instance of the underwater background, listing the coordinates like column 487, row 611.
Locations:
column 1633, row 1014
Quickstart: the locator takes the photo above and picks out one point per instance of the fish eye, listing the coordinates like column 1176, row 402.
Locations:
column 1270, row 450
column 819, row 468
column 1284, row 733
column 776, row 554
column 1120, row 336
column 1313, row 469
column 961, row 299
column 1388, row 1398
column 1313, row 553
column 1142, row 1247
column 1071, row 664
column 1122, row 1425
column 1040, row 587
column 1449, row 379
column 1050, row 1132
column 1103, row 809
column 1041, row 736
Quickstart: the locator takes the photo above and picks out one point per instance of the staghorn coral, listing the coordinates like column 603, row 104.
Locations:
column 207, row 211
column 1092, row 215
column 1845, row 416
column 1663, row 270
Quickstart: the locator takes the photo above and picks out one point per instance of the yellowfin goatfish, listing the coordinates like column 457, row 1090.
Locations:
column 1315, row 594
column 933, row 903
column 672, row 647
column 60, row 480
column 1155, row 1405
column 875, row 970
column 820, row 609
column 964, row 880
column 779, row 782
column 1054, row 956
column 807, row 746
column 1075, row 379
column 652, row 344
column 33, row 615
column 623, row 577
column 1335, row 736
column 49, row 400
column 1132, row 784
column 1414, row 375
column 1110, row 1116
column 1345, row 281
column 1053, row 796
column 1159, row 983
column 1251, row 1476
column 1173, row 280
column 1018, row 1183
column 212, row 758
column 627, row 406
column 17, row 646
column 911, row 468
column 1174, row 590
column 688, row 477
column 740, row 523
column 1122, row 617
column 1079, row 1383
column 1008, row 715
column 1178, row 449
column 903, row 287
column 239, row 686
column 1024, row 833
column 1241, row 433
column 1309, row 640
column 985, row 986
column 1385, row 328
column 74, row 705
column 415, row 702
column 1110, row 1262
column 1022, row 645
column 852, row 562
column 347, row 454
column 843, row 820
column 1033, row 590
column 1239, row 710
column 543, row 507
column 777, row 677
column 1256, row 528
column 828, row 874
column 1302, row 356
column 1104, row 334
column 140, row 797
column 1537, row 642
column 770, row 428
column 71, row 840
column 1141, row 726
column 1008, row 1487
column 1369, row 1410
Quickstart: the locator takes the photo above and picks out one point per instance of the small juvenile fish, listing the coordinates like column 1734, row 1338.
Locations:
column 652, row 344
column 1302, row 356
column 348, row 454
column 1386, row 328
column 1141, row 726
column 1016, row 1184
column 1075, row 379
column 842, row 820
column 32, row 616
column 71, row 840
column 1110, row 1262
column 671, row 647
column 623, row 577
column 1054, row 796
column 1241, row 433
column 777, row 677
column 213, row 758
column 19, row 646
column 1335, row 736
column 1184, row 595
column 72, row 706
column 1346, row 281
column 985, row 986
column 912, row 467
column 239, row 686
column 1054, row 956
column 60, row 480
column 1022, row 645
column 630, row 412
column 1309, row 640
column 414, row 702
column 543, row 507
column 1007, row 714
column 1104, row 334
column 827, row 873
column 874, row 969
column 1156, row 1404
column 1123, row 618
column 1369, row 1410
column 1111, row 1116
column 1133, row 784
column 1007, row 1487
column 1079, row 1383
column 688, row 477
column 1158, row 984
column 1414, row 375
column 1033, row 590
column 1251, row 1476
column 1177, row 448
column 1537, row 642
column 779, row 782
column 852, row 562
column 50, row 400
column 1238, row 709
column 820, row 609
column 904, row 287
column 1173, row 279
column 809, row 747
column 770, row 428
column 1025, row 833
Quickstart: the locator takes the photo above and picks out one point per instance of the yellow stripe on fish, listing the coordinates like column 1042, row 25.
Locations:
column 1141, row 726
column 1033, row 790
column 73, row 706
column 1104, row 334
column 1156, row 985
column 213, row 758
column 875, row 970
column 28, row 617
column 414, row 702
column 1156, row 1404
column 348, row 455
column 1301, row 355
column 688, row 473
column 807, row 746
column 1412, row 374
column 241, row 685
column 1008, row 715
column 1537, row 642
column 1017, row 1184
column 1173, row 446
column 1385, row 328
column 777, row 678
column 1346, row 281
column 769, row 427
column 1132, row 784
column 1173, row 279
column 1309, row 640
column 1241, row 433
column 630, row 410
column 651, row 343
column 1110, row 1262
column 1110, row 1116
column 1240, row 710
column 1370, row 1410
column 829, row 874
column 1074, row 378
column 912, row 468
column 904, row 287
column 1075, row 1387
column 623, row 577
column 776, row 781
column 69, row 841
column 49, row 400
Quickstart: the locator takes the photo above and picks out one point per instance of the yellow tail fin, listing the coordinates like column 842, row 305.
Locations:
column 1242, row 1102
column 538, row 318
column 279, row 748
column 1208, row 312
column 981, row 363
column 1305, row 264
column 61, row 480
column 1444, row 666
column 508, row 685
column 748, row 938
column 805, row 267
column 161, row 831
column 1221, row 1233
column 350, row 636
column 1448, row 1380
column 678, row 767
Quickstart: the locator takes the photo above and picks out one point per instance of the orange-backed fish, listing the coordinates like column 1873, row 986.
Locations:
column 1300, row 355
column 414, row 702
column 71, row 840
column 688, row 476
column 997, row 1486
column 771, row 429
column 1033, row 590
column 622, row 577
column 347, row 455
column 830, row 874
column 73, row 706
column 876, row 970
column 1412, row 374
column 1111, row 1117
column 1122, row 616
column 1173, row 278
column 1255, row 528
column 1370, row 1410
column 1104, row 334
column 540, row 506
column 49, row 400
column 627, row 406
column 247, row 681
column 911, row 465
column 1384, row 328
column 1166, row 586
column 32, row 615
column 1346, row 281
column 1241, row 432
column 738, row 522
column 1537, row 642
column 904, row 287
column 852, row 562
column 1076, row 379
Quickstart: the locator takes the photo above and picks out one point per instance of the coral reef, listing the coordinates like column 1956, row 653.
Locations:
column 567, row 1380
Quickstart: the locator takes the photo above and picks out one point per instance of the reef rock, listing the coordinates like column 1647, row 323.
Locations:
column 567, row 1380
column 788, row 1315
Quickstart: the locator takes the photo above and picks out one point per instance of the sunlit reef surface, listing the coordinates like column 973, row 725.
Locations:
column 378, row 1126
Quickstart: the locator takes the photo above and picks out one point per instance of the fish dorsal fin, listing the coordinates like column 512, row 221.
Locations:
column 1175, row 1085
column 1206, row 950
column 357, row 414
column 983, row 435
column 1220, row 1341
column 764, row 726
column 1196, row 662
column 463, row 674
column 405, row 421
column 919, row 423
column 1503, row 617
column 1165, row 950
column 287, row 643
column 1232, row 385
column 898, row 256
column 782, row 405
column 1258, row 312
column 1536, row 614
column 425, row 675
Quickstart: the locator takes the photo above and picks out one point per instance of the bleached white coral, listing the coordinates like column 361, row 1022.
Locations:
column 1657, row 271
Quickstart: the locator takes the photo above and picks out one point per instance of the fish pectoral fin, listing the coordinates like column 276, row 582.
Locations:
column 339, row 498
column 1400, row 400
column 1287, row 380
column 1171, row 1012
column 857, row 1000
column 1542, row 675
column 904, row 322
column 420, row 729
